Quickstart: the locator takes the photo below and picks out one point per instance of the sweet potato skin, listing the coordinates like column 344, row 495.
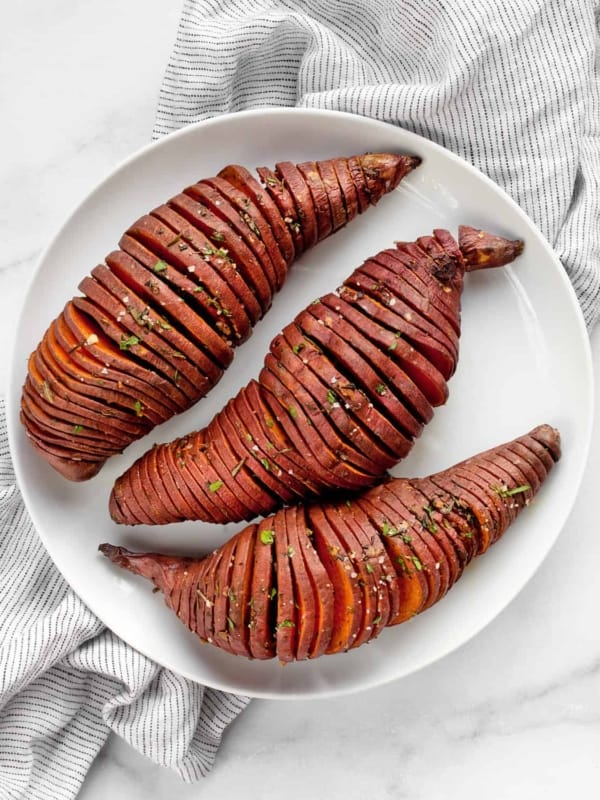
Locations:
column 353, row 566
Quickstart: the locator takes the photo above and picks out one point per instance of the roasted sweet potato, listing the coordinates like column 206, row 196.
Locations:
column 347, row 387
column 159, row 319
column 327, row 577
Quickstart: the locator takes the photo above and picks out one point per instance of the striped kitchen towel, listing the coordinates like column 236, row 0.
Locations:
column 66, row 681
column 513, row 86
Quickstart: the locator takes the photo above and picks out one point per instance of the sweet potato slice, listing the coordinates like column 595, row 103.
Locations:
column 418, row 369
column 53, row 387
column 333, row 193
column 444, row 296
column 254, row 225
column 377, row 562
column 358, row 370
column 112, row 406
column 238, row 592
column 164, row 230
column 105, row 365
column 347, row 594
column 173, row 363
column 305, row 207
column 376, row 275
column 253, row 418
column 381, row 435
column 434, row 533
column 253, row 478
column 286, row 627
column 408, row 392
column 213, row 318
column 312, row 177
column 243, row 180
column 284, row 202
column 413, row 589
column 263, row 615
column 303, row 591
column 241, row 224
column 373, row 599
column 222, row 622
column 428, row 556
column 400, row 321
column 197, row 366
column 320, row 403
column 218, row 458
column 346, row 183
column 221, row 233
column 319, row 436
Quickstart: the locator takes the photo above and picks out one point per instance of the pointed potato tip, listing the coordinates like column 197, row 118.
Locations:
column 118, row 555
column 549, row 438
column 483, row 250
column 388, row 169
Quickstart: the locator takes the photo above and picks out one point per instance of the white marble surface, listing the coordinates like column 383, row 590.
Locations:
column 515, row 713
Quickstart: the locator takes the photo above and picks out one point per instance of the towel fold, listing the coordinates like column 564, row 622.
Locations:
column 512, row 86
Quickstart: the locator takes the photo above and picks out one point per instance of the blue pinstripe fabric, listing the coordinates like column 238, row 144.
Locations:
column 511, row 86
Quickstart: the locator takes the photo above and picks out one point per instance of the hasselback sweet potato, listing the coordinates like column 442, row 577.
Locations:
column 159, row 320
column 344, row 392
column 328, row 577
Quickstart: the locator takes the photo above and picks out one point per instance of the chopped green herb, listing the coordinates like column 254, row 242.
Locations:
column 400, row 560
column 162, row 323
column 290, row 551
column 504, row 491
column 217, row 236
column 222, row 252
column 160, row 266
column 417, row 563
column 394, row 344
column 273, row 593
column 331, row 397
column 368, row 567
column 174, row 241
column 77, row 428
column 265, row 463
column 238, row 467
column 249, row 437
column 230, row 623
column 285, row 623
column 297, row 347
column 138, row 408
column 428, row 522
column 128, row 341
column 381, row 389
column 269, row 422
column 292, row 412
column 215, row 486
column 267, row 536
column 377, row 620
column 251, row 224
column 141, row 317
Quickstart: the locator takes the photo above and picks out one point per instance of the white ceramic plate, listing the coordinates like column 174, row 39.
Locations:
column 525, row 360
